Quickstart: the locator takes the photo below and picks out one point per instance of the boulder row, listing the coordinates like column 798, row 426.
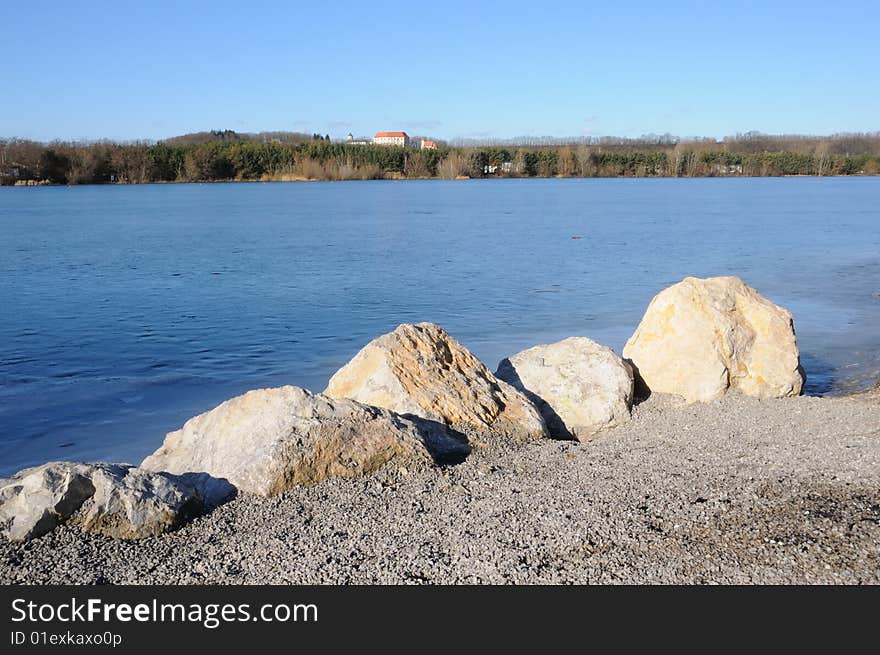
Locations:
column 269, row 440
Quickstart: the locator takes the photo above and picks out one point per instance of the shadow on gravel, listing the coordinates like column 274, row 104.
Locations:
column 641, row 392
column 447, row 447
column 212, row 491
column 555, row 425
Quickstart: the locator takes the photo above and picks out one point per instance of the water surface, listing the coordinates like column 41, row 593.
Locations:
column 124, row 310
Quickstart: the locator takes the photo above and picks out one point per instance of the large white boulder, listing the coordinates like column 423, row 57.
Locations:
column 579, row 386
column 132, row 503
column 701, row 337
column 116, row 500
column 36, row 500
column 419, row 369
column 269, row 440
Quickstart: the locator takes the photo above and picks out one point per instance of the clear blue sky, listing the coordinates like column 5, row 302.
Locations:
column 85, row 70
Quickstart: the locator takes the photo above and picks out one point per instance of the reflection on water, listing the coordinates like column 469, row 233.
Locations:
column 126, row 310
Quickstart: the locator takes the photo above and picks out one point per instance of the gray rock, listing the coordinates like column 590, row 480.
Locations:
column 132, row 503
column 269, row 440
column 34, row 501
column 115, row 500
column 579, row 386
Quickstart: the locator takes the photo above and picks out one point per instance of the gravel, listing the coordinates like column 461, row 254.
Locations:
column 734, row 491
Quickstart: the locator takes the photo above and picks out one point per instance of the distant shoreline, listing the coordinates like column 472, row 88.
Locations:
column 463, row 178
column 226, row 157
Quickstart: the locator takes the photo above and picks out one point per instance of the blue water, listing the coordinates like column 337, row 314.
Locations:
column 126, row 310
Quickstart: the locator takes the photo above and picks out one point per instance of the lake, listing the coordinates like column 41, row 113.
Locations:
column 125, row 310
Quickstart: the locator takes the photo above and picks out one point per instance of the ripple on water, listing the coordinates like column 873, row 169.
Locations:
column 110, row 338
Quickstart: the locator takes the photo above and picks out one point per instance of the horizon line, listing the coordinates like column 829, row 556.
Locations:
column 525, row 140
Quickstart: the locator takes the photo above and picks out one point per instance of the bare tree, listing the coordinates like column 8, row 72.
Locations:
column 452, row 166
column 821, row 154
column 583, row 156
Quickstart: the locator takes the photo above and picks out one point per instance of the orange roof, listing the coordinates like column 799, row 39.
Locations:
column 381, row 134
column 429, row 144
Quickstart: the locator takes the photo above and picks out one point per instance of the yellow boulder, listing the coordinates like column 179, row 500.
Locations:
column 702, row 337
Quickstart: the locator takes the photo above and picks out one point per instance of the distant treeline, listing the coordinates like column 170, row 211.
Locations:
column 226, row 155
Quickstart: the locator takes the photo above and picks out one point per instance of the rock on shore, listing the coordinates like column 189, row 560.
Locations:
column 269, row 440
column 114, row 500
column 702, row 337
column 579, row 386
column 738, row 490
column 419, row 369
column 413, row 397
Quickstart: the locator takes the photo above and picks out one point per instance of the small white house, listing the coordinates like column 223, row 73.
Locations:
column 360, row 141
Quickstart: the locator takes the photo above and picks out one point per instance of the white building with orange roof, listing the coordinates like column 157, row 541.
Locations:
column 391, row 139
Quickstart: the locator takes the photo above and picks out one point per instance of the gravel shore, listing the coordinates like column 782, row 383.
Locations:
column 734, row 491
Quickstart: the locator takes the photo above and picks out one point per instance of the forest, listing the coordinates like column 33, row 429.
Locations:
column 286, row 156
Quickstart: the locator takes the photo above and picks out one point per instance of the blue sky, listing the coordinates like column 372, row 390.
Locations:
column 86, row 70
